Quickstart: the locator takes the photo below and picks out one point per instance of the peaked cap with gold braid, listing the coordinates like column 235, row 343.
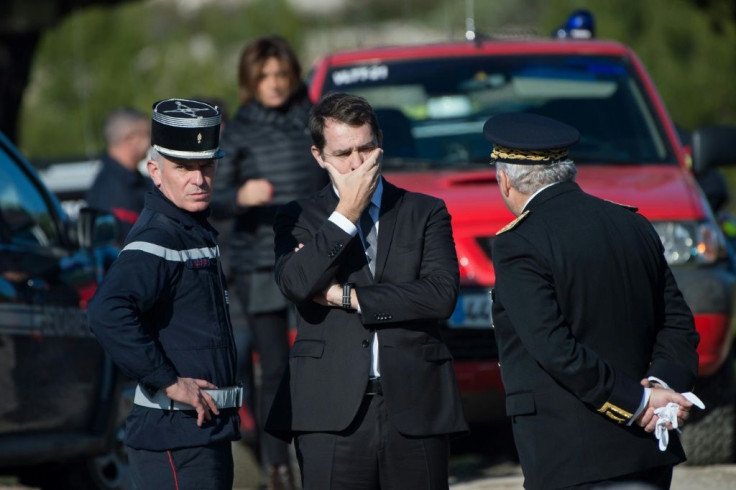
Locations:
column 529, row 139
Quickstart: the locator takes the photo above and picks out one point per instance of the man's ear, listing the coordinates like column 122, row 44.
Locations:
column 503, row 183
column 317, row 154
column 154, row 172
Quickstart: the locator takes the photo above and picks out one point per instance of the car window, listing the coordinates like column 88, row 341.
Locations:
column 434, row 109
column 25, row 217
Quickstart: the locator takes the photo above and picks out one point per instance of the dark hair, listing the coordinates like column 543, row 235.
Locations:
column 254, row 56
column 349, row 109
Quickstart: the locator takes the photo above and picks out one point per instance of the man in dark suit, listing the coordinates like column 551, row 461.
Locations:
column 370, row 395
column 590, row 325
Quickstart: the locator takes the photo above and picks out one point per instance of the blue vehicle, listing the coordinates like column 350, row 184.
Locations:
column 60, row 393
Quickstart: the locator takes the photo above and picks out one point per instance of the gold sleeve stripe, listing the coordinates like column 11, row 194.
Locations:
column 615, row 412
column 620, row 420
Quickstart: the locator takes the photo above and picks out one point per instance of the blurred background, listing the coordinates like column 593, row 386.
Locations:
column 65, row 63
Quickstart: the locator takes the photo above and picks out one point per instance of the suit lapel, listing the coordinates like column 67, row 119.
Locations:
column 390, row 203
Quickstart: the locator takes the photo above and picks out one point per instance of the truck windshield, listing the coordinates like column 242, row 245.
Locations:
column 432, row 111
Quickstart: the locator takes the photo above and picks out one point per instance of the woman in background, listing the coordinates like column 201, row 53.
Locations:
column 267, row 163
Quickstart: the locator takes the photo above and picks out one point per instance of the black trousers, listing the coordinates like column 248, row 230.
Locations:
column 196, row 468
column 269, row 333
column 371, row 454
column 659, row 478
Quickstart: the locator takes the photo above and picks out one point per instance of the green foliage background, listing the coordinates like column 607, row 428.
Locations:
column 142, row 51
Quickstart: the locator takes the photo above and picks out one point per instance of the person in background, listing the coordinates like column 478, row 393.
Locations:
column 370, row 396
column 593, row 333
column 161, row 313
column 241, row 331
column 267, row 164
column 119, row 187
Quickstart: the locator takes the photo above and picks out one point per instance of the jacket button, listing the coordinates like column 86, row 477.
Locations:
column 364, row 344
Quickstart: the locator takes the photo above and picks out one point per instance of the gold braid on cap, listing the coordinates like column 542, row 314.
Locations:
column 504, row 153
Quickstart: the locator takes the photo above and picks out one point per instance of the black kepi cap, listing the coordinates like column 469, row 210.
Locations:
column 186, row 129
column 529, row 139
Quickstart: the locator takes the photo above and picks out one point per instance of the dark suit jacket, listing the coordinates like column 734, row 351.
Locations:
column 416, row 285
column 585, row 307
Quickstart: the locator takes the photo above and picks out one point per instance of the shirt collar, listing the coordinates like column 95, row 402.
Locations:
column 375, row 198
column 378, row 194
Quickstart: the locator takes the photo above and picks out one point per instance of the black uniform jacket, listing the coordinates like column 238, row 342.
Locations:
column 585, row 307
column 416, row 285
column 119, row 191
column 161, row 312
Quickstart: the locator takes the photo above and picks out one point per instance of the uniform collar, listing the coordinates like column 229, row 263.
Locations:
column 535, row 194
column 550, row 192
column 156, row 201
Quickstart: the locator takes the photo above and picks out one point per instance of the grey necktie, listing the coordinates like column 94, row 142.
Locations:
column 370, row 237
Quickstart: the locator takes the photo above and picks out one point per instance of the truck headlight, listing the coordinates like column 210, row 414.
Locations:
column 688, row 241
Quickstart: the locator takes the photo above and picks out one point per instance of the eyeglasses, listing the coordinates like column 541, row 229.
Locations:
column 363, row 151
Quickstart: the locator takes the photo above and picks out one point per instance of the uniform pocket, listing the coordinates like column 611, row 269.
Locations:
column 307, row 348
column 520, row 404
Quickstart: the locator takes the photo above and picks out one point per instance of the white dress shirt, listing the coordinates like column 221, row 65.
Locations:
column 350, row 228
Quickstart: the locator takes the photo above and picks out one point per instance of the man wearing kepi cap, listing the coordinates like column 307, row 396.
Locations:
column 592, row 331
column 162, row 313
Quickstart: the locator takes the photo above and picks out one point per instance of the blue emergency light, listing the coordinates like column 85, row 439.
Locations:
column 579, row 25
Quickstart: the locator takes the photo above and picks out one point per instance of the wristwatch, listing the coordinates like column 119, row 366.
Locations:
column 346, row 295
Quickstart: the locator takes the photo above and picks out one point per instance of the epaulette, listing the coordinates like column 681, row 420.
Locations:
column 630, row 208
column 511, row 225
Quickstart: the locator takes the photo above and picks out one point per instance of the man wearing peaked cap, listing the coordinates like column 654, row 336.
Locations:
column 590, row 325
column 186, row 129
column 162, row 313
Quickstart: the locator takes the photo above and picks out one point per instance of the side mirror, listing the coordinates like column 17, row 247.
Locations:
column 96, row 228
column 713, row 146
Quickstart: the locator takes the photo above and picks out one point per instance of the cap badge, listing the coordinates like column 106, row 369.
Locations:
column 199, row 138
column 185, row 109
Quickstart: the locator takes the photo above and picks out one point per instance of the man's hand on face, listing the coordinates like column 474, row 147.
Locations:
column 190, row 391
column 356, row 187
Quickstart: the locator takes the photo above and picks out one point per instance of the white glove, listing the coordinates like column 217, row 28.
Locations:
column 668, row 414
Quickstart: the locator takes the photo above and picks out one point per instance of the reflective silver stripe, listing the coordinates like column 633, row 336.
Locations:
column 194, row 122
column 230, row 397
column 204, row 155
column 174, row 255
